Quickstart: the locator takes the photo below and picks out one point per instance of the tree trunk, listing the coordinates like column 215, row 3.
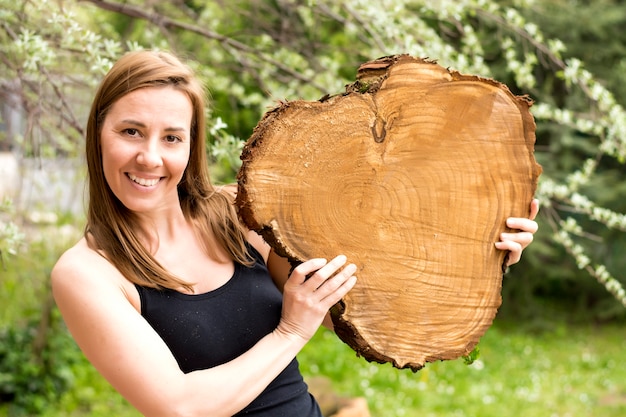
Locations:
column 411, row 174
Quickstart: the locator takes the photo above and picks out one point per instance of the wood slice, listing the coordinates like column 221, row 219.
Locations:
column 411, row 174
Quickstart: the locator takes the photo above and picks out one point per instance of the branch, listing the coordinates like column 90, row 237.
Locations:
column 379, row 43
column 523, row 34
column 540, row 47
column 229, row 43
column 66, row 115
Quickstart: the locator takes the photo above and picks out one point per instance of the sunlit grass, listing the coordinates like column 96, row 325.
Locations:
column 572, row 371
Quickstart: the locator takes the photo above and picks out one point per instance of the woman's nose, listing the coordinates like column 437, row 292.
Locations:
column 150, row 156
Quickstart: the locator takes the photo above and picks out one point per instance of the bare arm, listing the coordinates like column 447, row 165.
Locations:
column 135, row 360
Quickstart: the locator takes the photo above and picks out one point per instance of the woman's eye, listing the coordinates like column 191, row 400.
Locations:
column 172, row 139
column 131, row 132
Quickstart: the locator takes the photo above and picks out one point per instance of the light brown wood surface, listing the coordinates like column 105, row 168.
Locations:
column 411, row 174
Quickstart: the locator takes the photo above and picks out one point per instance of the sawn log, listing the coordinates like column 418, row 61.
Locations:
column 411, row 174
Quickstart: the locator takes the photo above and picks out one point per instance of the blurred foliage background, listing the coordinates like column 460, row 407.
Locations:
column 567, row 55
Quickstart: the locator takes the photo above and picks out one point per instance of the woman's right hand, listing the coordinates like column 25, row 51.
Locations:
column 307, row 300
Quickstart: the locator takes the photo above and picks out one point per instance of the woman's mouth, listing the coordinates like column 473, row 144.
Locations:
column 145, row 182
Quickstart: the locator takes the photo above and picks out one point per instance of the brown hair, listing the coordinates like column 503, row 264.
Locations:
column 111, row 227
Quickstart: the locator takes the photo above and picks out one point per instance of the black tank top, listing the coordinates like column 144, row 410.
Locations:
column 206, row 330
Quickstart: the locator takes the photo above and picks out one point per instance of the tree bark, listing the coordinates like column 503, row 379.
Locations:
column 411, row 174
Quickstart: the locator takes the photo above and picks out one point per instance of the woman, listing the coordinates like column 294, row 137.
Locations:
column 179, row 307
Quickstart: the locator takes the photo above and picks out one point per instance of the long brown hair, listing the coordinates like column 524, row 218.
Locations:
column 115, row 230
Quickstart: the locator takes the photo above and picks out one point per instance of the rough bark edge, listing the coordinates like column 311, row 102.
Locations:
column 243, row 202
column 351, row 337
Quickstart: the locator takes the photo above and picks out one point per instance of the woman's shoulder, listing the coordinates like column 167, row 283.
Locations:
column 85, row 266
column 78, row 257
column 82, row 272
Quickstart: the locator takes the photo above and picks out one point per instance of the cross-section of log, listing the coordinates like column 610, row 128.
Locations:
column 411, row 174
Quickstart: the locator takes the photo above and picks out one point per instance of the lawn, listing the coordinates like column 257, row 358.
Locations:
column 570, row 371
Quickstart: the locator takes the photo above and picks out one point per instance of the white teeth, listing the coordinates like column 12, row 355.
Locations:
column 143, row 181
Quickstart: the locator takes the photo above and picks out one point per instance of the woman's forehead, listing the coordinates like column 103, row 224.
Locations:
column 154, row 105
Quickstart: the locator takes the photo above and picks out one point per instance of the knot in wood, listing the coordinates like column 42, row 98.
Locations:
column 379, row 130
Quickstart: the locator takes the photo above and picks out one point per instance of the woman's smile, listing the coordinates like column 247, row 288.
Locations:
column 144, row 182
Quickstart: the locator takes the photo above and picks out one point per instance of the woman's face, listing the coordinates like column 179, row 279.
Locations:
column 145, row 141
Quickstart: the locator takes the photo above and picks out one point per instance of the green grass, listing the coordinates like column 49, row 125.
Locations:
column 571, row 371
column 560, row 371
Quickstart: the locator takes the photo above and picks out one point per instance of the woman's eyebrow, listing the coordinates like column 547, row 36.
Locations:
column 133, row 122
column 167, row 129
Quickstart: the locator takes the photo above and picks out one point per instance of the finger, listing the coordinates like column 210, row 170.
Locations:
column 522, row 238
column 333, row 283
column 343, row 289
column 525, row 225
column 325, row 272
column 299, row 274
column 333, row 266
column 514, row 248
column 534, row 209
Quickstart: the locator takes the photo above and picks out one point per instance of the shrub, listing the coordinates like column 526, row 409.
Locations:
column 36, row 356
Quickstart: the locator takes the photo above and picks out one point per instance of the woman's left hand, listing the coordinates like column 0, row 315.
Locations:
column 516, row 242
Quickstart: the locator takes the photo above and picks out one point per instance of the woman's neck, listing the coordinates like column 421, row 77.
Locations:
column 161, row 228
